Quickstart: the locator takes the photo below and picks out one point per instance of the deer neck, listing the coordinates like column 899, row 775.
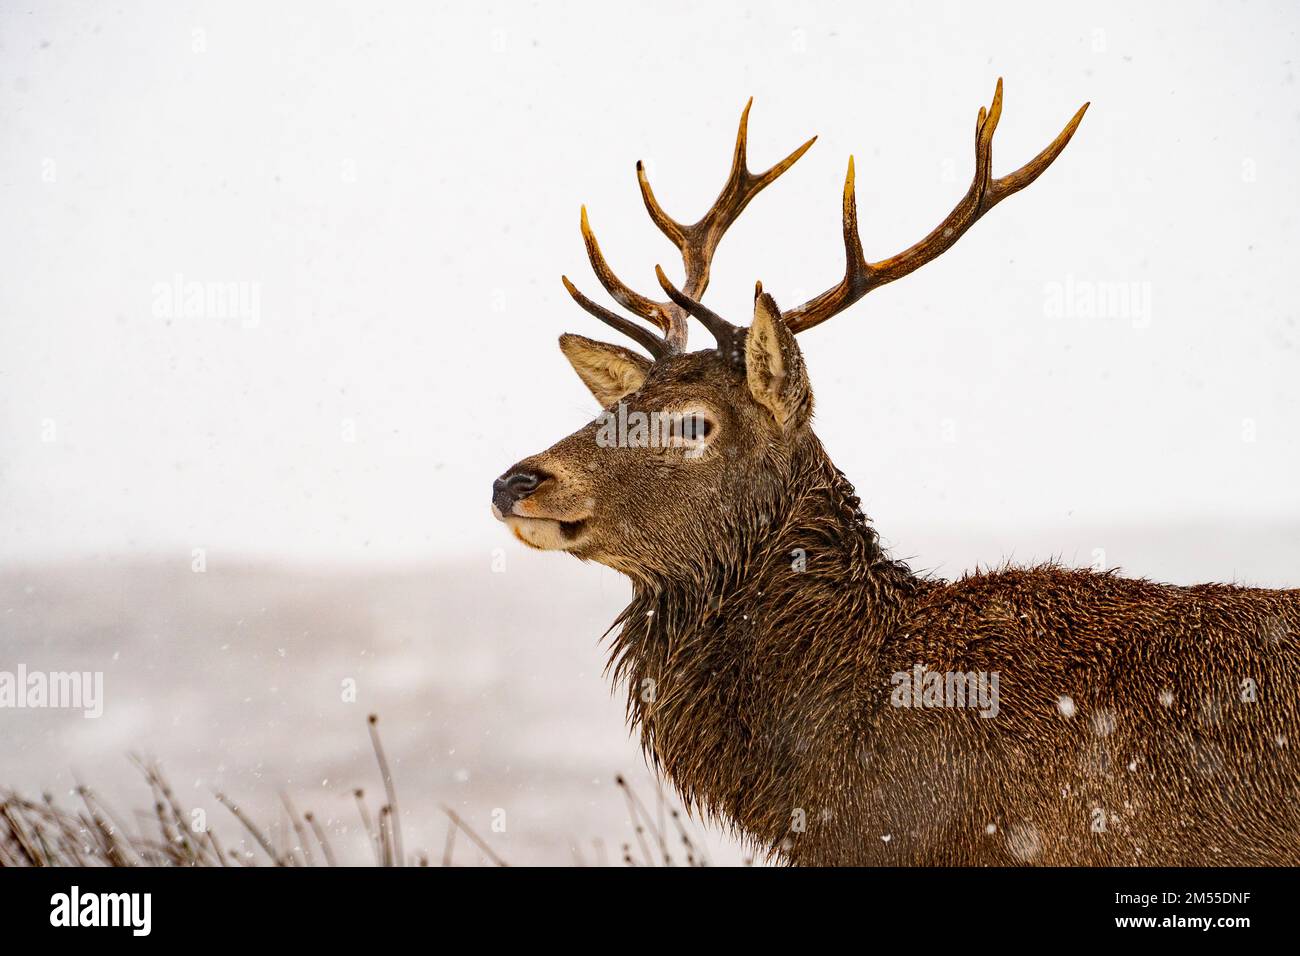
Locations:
column 707, row 654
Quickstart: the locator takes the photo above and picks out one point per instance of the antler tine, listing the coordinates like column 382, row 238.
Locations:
column 722, row 330
column 656, row 346
column 861, row 276
column 634, row 302
column 696, row 243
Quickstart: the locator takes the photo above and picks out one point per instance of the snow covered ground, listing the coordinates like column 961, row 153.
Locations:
column 486, row 674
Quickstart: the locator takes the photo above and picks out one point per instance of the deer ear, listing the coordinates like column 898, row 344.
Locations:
column 610, row 371
column 774, row 366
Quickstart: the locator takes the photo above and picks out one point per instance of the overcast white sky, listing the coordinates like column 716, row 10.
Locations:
column 398, row 185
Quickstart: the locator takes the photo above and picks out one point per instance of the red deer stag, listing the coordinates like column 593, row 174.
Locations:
column 828, row 704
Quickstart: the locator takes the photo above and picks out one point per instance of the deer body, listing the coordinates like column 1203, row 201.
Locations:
column 1124, row 735
column 797, row 684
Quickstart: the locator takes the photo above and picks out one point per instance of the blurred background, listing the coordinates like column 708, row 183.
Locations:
column 283, row 298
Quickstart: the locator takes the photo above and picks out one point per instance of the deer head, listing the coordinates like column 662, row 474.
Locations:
column 696, row 451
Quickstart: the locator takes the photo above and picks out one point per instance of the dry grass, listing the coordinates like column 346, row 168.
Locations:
column 44, row 833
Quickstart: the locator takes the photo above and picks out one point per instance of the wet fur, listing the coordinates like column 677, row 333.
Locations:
column 761, row 686
column 769, row 701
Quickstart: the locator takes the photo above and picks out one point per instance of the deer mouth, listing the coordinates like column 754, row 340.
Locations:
column 547, row 534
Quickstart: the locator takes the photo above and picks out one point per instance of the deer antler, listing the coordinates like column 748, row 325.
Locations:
column 861, row 276
column 696, row 242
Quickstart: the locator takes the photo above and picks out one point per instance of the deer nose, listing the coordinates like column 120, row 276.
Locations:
column 513, row 487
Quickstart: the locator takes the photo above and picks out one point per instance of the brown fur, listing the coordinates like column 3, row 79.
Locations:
column 761, row 686
column 1137, row 723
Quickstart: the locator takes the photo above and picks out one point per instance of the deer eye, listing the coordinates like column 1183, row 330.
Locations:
column 692, row 427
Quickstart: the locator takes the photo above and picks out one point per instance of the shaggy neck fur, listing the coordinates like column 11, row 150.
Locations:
column 736, row 661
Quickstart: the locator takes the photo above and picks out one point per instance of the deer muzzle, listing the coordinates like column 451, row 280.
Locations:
column 513, row 487
column 519, row 499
